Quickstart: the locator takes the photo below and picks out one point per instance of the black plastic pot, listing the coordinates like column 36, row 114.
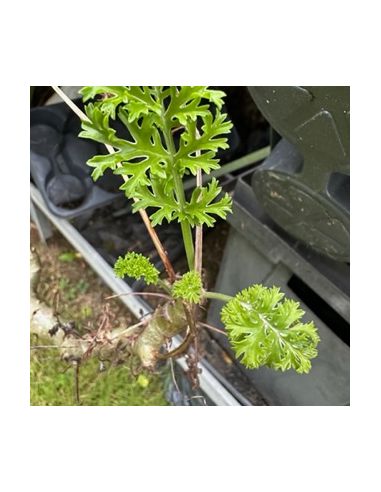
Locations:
column 58, row 163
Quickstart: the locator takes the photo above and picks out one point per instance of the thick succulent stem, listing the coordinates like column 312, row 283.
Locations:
column 145, row 339
column 167, row 321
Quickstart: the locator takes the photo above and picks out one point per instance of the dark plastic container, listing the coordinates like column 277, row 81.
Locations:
column 258, row 251
column 58, row 163
column 304, row 184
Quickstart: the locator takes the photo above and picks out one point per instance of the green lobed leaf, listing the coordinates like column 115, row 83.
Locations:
column 207, row 143
column 144, row 147
column 188, row 102
column 213, row 95
column 265, row 330
column 111, row 91
column 101, row 163
column 185, row 104
column 157, row 197
column 199, row 210
column 142, row 101
column 98, row 127
column 148, row 112
column 188, row 287
column 137, row 266
column 136, row 100
column 112, row 96
column 201, row 207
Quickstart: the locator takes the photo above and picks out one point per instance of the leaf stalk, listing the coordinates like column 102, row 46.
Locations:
column 218, row 296
column 179, row 187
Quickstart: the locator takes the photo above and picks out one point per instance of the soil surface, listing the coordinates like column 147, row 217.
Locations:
column 72, row 287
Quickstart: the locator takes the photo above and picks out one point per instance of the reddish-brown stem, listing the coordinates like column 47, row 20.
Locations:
column 158, row 245
column 180, row 349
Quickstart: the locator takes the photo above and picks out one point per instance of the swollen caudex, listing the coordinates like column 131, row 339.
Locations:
column 167, row 321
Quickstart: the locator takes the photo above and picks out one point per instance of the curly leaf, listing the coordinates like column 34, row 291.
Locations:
column 137, row 266
column 266, row 331
column 188, row 287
